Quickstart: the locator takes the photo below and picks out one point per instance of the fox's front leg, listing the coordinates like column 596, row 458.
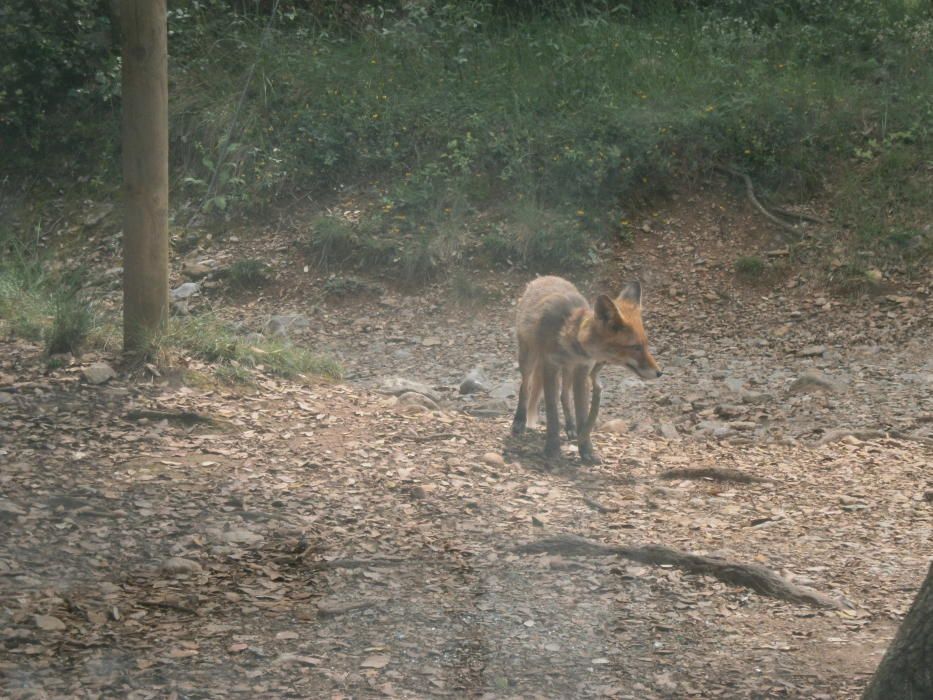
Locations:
column 551, row 390
column 586, row 411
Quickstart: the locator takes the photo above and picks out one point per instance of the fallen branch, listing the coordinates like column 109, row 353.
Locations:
column 750, row 191
column 714, row 473
column 753, row 576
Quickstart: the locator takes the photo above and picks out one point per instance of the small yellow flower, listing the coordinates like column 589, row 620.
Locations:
column 580, row 212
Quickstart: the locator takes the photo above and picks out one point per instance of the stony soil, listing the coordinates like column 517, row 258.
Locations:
column 329, row 540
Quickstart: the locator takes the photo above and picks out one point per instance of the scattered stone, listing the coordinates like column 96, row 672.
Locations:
column 874, row 275
column 669, row 432
column 493, row 459
column 730, row 410
column 846, row 434
column 49, row 623
column 509, row 390
column 242, row 536
column 399, row 385
column 195, row 270
column 756, row 397
column 616, row 426
column 281, row 324
column 734, row 384
column 179, row 566
column 98, row 373
column 7, row 506
column 185, row 290
column 644, row 427
column 413, row 398
column 431, row 342
column 474, row 381
column 5, row 398
column 813, row 351
column 742, row 424
column 814, row 381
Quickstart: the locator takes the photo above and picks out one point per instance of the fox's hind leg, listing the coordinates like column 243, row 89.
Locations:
column 521, row 411
column 550, row 376
column 535, row 388
column 566, row 387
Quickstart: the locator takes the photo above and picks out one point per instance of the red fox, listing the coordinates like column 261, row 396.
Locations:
column 562, row 344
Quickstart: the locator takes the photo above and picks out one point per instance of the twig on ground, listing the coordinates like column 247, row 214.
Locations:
column 714, row 473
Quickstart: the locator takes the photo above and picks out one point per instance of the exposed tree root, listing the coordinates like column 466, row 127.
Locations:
column 750, row 191
column 754, row 576
column 188, row 418
column 714, row 473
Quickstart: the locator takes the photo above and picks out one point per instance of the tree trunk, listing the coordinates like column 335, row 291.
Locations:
column 906, row 671
column 145, row 171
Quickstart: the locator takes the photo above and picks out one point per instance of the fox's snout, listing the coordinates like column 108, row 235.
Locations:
column 646, row 370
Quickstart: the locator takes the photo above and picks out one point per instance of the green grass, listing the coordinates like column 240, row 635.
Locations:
column 207, row 338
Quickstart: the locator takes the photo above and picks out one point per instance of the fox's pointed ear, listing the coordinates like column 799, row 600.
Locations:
column 631, row 293
column 606, row 310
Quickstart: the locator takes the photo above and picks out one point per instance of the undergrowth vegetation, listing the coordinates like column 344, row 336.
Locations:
column 39, row 305
column 433, row 112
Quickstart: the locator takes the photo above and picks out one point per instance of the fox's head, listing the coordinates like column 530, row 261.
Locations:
column 616, row 335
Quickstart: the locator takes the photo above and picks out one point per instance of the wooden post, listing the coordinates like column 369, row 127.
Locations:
column 145, row 171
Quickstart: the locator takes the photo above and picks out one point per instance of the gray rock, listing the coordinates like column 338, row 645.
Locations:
column 98, row 373
column 813, row 381
column 812, row 351
column 734, row 384
column 5, row 398
column 727, row 410
column 242, row 536
column 413, row 398
column 509, row 390
column 474, row 381
column 756, row 397
column 669, row 432
column 399, row 385
column 488, row 409
column 178, row 566
column 282, row 324
column 195, row 270
column 185, row 290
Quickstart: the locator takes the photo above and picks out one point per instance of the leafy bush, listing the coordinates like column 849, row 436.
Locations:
column 750, row 267
column 248, row 274
column 53, row 54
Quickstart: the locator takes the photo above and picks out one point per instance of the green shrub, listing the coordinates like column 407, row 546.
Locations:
column 248, row 274
column 750, row 267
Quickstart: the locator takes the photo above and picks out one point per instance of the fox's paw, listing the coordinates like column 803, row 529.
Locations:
column 552, row 450
column 589, row 456
column 571, row 431
column 518, row 428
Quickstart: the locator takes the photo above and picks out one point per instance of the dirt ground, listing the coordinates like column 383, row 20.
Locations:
column 328, row 540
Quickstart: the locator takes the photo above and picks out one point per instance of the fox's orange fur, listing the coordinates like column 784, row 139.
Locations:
column 562, row 342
